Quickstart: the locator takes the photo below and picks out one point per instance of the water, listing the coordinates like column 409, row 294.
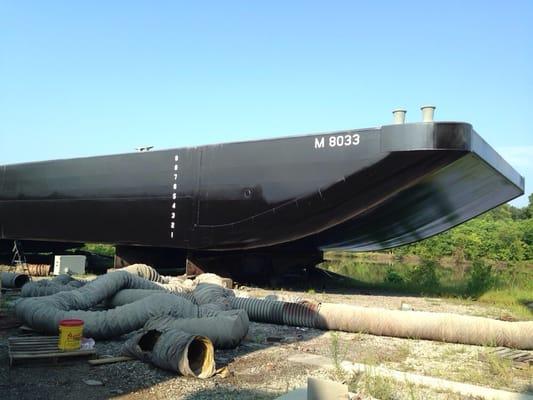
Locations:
column 372, row 272
column 449, row 276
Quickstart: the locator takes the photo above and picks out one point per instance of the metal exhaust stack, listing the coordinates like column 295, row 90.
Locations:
column 398, row 116
column 427, row 113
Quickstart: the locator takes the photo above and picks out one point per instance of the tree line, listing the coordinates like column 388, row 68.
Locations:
column 502, row 234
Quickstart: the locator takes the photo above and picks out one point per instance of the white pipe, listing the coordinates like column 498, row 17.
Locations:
column 427, row 113
column 398, row 116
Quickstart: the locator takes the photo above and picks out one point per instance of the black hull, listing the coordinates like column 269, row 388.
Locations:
column 398, row 184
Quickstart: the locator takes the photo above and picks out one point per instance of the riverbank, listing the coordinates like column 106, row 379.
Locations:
column 507, row 285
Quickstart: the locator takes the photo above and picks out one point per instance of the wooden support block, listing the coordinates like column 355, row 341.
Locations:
column 110, row 360
column 41, row 348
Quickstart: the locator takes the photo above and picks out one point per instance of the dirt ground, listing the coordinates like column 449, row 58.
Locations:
column 260, row 368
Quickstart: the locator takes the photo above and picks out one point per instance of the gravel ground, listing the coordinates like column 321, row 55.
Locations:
column 259, row 367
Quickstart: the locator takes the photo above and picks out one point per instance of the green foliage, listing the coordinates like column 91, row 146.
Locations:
column 502, row 234
column 338, row 351
column 508, row 285
column 480, row 279
column 529, row 208
column 99, row 248
column 380, row 387
column 424, row 275
column 527, row 237
column 392, row 276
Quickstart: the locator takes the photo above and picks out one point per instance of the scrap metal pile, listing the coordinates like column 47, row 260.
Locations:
column 179, row 322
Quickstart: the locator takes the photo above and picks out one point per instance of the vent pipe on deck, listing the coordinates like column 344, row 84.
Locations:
column 398, row 116
column 427, row 113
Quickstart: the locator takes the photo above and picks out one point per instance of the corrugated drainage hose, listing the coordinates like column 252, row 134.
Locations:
column 127, row 296
column 174, row 350
column 226, row 329
column 60, row 283
column 145, row 271
column 44, row 313
column 444, row 327
column 13, row 280
column 38, row 269
column 278, row 312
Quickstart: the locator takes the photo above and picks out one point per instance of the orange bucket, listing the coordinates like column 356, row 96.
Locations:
column 70, row 333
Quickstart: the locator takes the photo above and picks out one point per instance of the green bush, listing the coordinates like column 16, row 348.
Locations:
column 424, row 275
column 99, row 248
column 392, row 276
column 480, row 279
column 502, row 234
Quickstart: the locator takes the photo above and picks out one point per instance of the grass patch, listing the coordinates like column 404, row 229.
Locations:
column 380, row 387
column 452, row 350
column 337, row 352
column 259, row 338
column 500, row 369
column 482, row 368
column 515, row 299
column 376, row 356
column 403, row 351
column 509, row 287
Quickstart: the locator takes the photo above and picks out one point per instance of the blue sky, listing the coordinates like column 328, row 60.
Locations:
column 87, row 78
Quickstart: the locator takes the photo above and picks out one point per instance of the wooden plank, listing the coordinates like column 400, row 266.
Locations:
column 52, row 355
column 32, row 338
column 513, row 355
column 41, row 348
column 521, row 354
column 110, row 360
column 31, row 342
column 32, row 349
column 499, row 349
column 504, row 353
column 26, row 328
column 47, row 343
column 36, row 349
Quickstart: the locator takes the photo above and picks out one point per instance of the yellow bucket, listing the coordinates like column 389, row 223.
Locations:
column 70, row 332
